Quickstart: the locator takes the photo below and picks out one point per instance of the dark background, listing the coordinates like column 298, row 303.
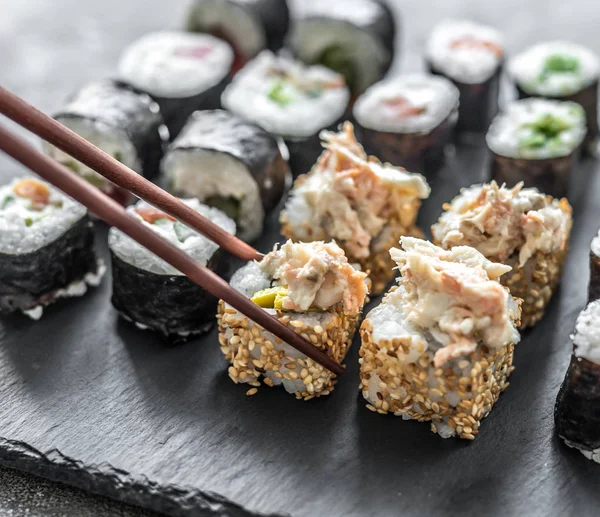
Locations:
column 50, row 47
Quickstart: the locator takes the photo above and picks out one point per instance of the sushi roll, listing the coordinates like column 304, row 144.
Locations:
column 120, row 121
column 563, row 71
column 289, row 100
column 228, row 163
column 355, row 38
column 408, row 121
column 594, row 286
column 46, row 248
column 183, row 72
column 151, row 293
column 577, row 411
column 471, row 56
column 440, row 345
column 537, row 141
column 249, row 26
column 309, row 287
column 363, row 205
column 519, row 227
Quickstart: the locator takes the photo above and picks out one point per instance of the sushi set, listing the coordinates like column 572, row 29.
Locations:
column 395, row 248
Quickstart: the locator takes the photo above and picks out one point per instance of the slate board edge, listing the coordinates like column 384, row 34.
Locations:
column 119, row 485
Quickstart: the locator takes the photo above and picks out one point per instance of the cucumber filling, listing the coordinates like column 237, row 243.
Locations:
column 229, row 205
column 336, row 58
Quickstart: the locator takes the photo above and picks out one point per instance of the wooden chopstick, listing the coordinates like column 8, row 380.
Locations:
column 48, row 129
column 115, row 215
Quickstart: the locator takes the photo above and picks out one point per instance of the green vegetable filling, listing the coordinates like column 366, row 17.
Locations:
column 545, row 132
column 7, row 201
column 336, row 58
column 229, row 205
column 280, row 94
column 559, row 64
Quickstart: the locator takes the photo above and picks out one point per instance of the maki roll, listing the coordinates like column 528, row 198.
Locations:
column 46, row 248
column 440, row 345
column 471, row 56
column 183, row 72
column 228, row 163
column 519, row 227
column 363, row 205
column 537, row 141
column 408, row 121
column 355, row 38
column 577, row 411
column 120, row 121
column 310, row 288
column 563, row 71
column 594, row 287
column 151, row 293
column 249, row 26
column 289, row 100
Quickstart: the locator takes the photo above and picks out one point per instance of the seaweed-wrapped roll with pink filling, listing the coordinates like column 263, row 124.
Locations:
column 408, row 120
column 520, row 227
column 594, row 287
column 290, row 100
column 440, row 345
column 563, row 71
column 471, row 56
column 577, row 411
column 354, row 199
column 537, row 141
column 309, row 287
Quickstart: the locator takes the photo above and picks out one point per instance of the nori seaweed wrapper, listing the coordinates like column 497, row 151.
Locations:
column 577, row 410
column 272, row 15
column 478, row 103
column 30, row 279
column 416, row 152
column 123, row 107
column 594, row 286
column 170, row 305
column 381, row 27
column 556, row 177
column 224, row 132
column 588, row 100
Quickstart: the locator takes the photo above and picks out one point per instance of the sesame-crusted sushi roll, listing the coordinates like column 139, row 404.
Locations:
column 249, row 26
column 519, row 227
column 151, row 293
column 594, row 286
column 122, row 122
column 46, row 248
column 408, row 120
column 183, row 72
column 577, row 411
column 309, row 287
column 471, row 56
column 563, row 71
column 290, row 100
column 440, row 345
column 537, row 141
column 354, row 199
column 231, row 164
column 355, row 38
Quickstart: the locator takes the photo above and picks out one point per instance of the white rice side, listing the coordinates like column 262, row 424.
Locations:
column 155, row 64
column 49, row 224
column 465, row 65
column 244, row 31
column 248, row 280
column 435, row 94
column 202, row 173
column 596, row 245
column 507, row 129
column 305, row 116
column 111, row 140
column 311, row 37
column 587, row 333
column 195, row 245
column 527, row 68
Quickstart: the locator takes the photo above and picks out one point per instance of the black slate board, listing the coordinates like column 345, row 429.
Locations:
column 89, row 400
